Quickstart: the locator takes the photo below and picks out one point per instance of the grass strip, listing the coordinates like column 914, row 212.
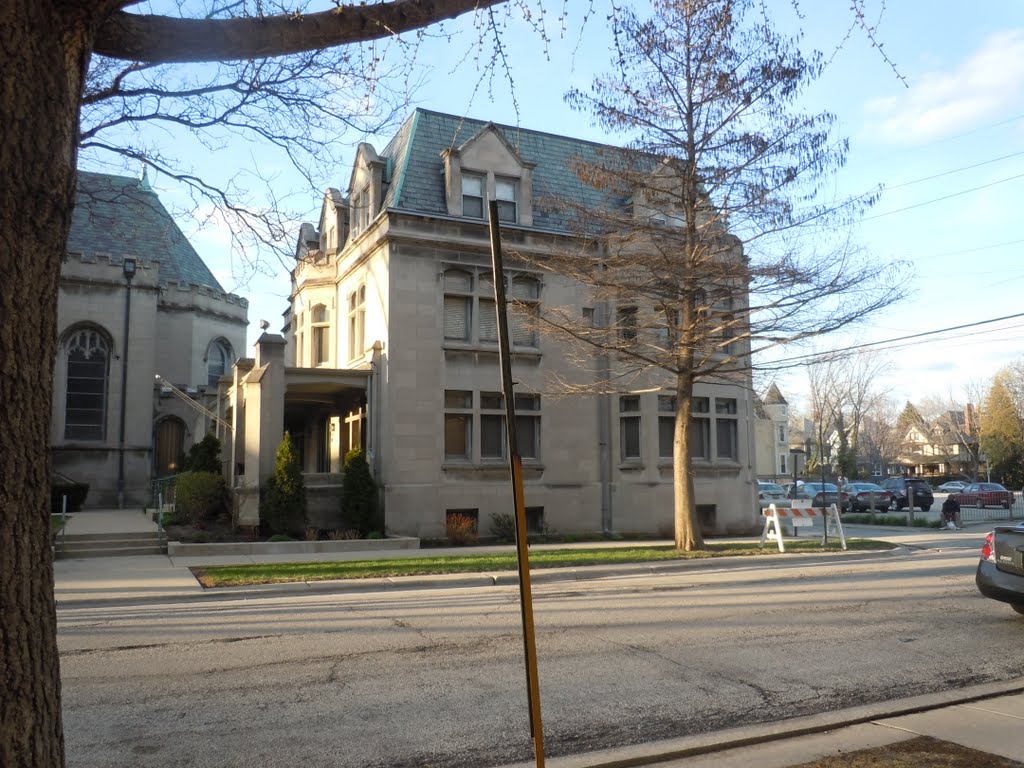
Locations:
column 485, row 562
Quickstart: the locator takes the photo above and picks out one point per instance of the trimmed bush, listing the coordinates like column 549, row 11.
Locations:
column 283, row 499
column 359, row 494
column 201, row 498
column 503, row 526
column 204, row 456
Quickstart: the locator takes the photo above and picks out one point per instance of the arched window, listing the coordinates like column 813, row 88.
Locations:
column 88, row 369
column 218, row 361
column 170, row 446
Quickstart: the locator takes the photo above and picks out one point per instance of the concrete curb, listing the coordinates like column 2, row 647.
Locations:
column 708, row 743
column 468, row 580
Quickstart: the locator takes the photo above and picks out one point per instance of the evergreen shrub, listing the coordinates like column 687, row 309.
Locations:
column 283, row 497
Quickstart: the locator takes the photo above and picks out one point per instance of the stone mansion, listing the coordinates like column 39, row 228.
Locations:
column 389, row 343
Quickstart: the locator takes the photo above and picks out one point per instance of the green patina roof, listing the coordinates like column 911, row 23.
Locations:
column 417, row 178
column 119, row 216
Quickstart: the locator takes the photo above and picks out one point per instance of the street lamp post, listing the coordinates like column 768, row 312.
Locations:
column 128, row 266
column 795, row 453
column 794, row 456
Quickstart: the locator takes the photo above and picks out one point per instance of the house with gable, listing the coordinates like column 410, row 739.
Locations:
column 389, row 343
column 135, row 301
column 773, row 458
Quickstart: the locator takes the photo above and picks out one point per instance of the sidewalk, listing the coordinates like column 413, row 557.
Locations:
column 988, row 718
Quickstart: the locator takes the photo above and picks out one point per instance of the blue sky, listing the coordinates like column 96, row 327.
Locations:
column 952, row 128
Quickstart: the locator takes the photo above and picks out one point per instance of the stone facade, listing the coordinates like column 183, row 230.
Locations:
column 394, row 284
column 180, row 325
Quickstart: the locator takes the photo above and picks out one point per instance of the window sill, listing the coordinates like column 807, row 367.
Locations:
column 490, row 469
column 460, row 346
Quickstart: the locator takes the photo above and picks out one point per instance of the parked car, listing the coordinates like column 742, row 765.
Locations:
column 865, row 497
column 767, row 491
column 771, row 493
column 824, row 494
column 1000, row 573
column 899, row 488
column 952, row 486
column 985, row 495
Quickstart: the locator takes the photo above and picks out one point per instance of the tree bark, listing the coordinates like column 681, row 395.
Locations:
column 150, row 38
column 688, row 534
column 44, row 48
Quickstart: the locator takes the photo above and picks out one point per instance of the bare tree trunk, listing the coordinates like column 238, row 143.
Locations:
column 688, row 534
column 43, row 54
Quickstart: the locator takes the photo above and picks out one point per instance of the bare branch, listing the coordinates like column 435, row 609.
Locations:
column 164, row 39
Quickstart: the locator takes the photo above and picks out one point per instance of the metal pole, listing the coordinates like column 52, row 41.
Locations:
column 124, row 388
column 516, row 466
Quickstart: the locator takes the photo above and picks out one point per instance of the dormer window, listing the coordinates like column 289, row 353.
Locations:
column 473, row 195
column 487, row 167
column 506, row 192
column 360, row 211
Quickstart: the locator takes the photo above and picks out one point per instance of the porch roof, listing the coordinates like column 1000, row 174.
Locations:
column 301, row 383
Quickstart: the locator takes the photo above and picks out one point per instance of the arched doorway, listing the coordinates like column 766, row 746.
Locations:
column 169, row 448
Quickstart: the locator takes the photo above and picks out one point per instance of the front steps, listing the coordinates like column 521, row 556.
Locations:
column 109, row 545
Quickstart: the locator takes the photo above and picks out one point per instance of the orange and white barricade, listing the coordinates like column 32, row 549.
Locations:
column 801, row 513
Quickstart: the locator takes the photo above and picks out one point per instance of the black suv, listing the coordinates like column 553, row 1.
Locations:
column 898, row 487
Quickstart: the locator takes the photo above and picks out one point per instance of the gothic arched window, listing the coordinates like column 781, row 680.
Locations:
column 88, row 369
column 218, row 361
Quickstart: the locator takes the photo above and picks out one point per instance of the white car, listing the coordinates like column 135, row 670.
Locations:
column 953, row 486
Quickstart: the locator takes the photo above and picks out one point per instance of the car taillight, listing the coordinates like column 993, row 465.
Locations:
column 988, row 550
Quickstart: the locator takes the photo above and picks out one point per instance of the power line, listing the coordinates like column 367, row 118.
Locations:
column 923, row 334
column 956, row 170
column 940, row 199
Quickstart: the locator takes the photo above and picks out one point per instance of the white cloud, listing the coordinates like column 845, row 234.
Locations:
column 943, row 103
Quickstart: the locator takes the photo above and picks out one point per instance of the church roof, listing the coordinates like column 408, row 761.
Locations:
column 118, row 216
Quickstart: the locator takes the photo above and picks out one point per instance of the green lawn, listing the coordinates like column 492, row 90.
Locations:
column 271, row 573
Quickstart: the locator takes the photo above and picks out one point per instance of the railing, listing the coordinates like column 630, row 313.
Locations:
column 994, row 512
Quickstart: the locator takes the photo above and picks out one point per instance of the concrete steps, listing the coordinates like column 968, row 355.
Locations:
column 109, row 545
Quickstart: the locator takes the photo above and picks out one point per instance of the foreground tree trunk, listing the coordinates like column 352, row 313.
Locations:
column 43, row 55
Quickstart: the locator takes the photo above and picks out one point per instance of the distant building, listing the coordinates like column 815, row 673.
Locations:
column 945, row 449
column 772, row 457
column 113, row 425
column 390, row 339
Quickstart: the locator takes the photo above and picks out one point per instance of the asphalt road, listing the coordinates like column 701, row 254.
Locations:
column 436, row 678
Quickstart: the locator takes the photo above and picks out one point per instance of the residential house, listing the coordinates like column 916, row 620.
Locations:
column 773, row 458
column 390, row 344
column 946, row 448
column 135, row 301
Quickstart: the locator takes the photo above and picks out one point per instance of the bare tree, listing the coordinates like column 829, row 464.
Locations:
column 955, row 424
column 45, row 50
column 844, row 391
column 695, row 233
column 879, row 442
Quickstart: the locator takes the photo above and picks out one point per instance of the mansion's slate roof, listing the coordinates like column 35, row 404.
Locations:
column 417, row 170
column 117, row 216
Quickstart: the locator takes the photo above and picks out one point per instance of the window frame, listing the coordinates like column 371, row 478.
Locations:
column 474, row 303
column 357, row 322
column 222, row 347
column 630, row 429
column 89, row 341
column 458, row 413
column 320, row 335
column 479, row 199
column 508, row 208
